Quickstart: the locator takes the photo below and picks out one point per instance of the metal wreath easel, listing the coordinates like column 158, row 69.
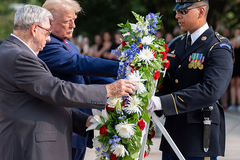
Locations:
column 162, row 129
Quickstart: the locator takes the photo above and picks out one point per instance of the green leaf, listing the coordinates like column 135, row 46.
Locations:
column 138, row 132
column 121, row 25
column 134, row 145
column 156, row 65
column 128, row 25
column 144, row 94
column 124, row 140
column 102, row 119
column 147, row 72
column 126, row 157
column 126, row 47
column 99, row 126
column 146, row 116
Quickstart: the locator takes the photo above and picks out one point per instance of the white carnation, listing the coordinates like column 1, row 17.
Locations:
column 136, row 77
column 146, row 55
column 125, row 130
column 119, row 150
column 147, row 40
column 140, row 88
column 133, row 107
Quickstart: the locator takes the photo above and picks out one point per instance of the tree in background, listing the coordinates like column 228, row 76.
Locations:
column 104, row 15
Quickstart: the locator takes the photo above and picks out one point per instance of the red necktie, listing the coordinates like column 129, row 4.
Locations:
column 67, row 45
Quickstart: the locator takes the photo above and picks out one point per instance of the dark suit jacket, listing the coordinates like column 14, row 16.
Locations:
column 66, row 62
column 187, row 90
column 34, row 125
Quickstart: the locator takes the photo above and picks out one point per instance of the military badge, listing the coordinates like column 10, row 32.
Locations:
column 196, row 60
column 171, row 55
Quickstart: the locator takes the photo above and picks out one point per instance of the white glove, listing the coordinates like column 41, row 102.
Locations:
column 154, row 104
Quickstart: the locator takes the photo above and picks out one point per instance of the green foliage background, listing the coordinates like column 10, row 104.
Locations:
column 104, row 15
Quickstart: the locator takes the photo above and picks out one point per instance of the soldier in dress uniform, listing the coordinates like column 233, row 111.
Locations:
column 201, row 65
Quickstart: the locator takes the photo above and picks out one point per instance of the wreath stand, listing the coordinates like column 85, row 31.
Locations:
column 164, row 133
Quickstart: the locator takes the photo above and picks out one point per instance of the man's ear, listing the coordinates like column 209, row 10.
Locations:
column 33, row 30
column 201, row 12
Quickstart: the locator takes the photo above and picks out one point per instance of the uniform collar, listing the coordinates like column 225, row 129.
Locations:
column 198, row 33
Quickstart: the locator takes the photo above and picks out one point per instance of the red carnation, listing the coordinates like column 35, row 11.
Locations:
column 157, row 75
column 166, row 47
column 141, row 124
column 130, row 64
column 103, row 130
column 160, row 87
column 132, row 70
column 153, row 133
column 123, row 103
column 145, row 154
column 166, row 64
column 164, row 55
column 113, row 156
column 140, row 47
column 154, row 54
column 124, row 43
column 109, row 108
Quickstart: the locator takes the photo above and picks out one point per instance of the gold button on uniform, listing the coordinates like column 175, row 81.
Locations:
column 179, row 66
column 176, row 80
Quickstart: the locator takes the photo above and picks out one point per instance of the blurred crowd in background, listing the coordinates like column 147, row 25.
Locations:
column 105, row 42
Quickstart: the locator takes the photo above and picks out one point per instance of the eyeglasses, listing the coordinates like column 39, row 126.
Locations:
column 48, row 30
column 185, row 11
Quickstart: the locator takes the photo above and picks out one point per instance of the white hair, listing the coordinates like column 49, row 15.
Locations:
column 30, row 14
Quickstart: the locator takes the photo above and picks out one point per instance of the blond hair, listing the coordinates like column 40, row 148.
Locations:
column 56, row 6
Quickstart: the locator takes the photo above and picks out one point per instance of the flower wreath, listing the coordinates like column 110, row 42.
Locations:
column 144, row 61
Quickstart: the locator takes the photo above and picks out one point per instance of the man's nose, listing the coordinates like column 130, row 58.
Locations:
column 72, row 25
column 48, row 39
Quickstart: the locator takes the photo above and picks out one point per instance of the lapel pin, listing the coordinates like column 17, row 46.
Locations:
column 204, row 38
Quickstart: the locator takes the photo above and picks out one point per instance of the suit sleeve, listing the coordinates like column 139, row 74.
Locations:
column 60, row 59
column 79, row 120
column 34, row 77
column 217, row 75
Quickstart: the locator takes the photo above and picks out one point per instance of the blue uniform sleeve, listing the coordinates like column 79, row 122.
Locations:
column 60, row 59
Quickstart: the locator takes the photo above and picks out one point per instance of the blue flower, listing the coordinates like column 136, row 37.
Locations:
column 98, row 149
column 103, row 147
column 139, row 40
column 133, row 46
column 115, row 136
column 120, row 118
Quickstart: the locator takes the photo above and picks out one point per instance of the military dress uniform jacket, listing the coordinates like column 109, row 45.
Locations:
column 196, row 79
column 34, row 123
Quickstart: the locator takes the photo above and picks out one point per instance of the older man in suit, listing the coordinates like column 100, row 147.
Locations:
column 34, row 125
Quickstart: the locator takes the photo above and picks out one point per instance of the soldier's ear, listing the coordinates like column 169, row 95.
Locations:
column 201, row 12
